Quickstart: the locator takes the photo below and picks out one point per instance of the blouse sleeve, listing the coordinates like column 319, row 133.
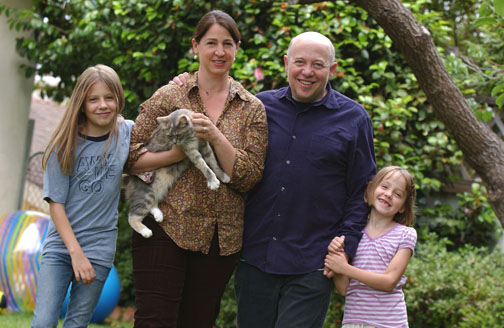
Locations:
column 146, row 122
column 249, row 165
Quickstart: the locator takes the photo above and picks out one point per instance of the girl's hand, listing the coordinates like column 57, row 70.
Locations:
column 83, row 270
column 337, row 244
column 336, row 262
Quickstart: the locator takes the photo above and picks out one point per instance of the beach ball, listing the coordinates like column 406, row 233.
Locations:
column 3, row 302
column 108, row 299
column 21, row 236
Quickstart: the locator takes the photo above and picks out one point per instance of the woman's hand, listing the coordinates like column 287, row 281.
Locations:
column 224, row 151
column 205, row 129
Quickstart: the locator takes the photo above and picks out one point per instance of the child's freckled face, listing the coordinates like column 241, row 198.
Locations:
column 100, row 110
column 390, row 195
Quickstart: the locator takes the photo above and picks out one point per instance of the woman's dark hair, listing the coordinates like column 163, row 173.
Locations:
column 216, row 17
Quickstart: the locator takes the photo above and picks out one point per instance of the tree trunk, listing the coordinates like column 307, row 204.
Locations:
column 482, row 148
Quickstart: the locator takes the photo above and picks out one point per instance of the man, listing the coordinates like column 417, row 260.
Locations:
column 319, row 160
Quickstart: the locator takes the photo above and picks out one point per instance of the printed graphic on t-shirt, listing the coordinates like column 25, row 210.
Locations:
column 96, row 171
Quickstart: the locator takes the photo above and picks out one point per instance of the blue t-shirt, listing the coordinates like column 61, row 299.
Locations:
column 90, row 195
column 319, row 160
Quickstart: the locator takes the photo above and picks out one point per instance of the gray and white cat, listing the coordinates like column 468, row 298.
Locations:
column 174, row 129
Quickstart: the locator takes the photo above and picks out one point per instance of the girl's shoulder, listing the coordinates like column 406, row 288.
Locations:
column 405, row 229
column 124, row 124
column 407, row 233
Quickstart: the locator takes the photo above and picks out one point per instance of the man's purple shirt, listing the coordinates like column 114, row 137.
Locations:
column 319, row 160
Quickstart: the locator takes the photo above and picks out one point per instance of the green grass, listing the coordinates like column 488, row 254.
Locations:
column 22, row 320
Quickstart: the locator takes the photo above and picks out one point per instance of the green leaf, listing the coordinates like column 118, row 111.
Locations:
column 497, row 89
column 484, row 21
column 499, row 7
column 500, row 100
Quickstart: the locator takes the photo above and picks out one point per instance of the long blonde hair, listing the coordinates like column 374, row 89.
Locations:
column 407, row 217
column 74, row 119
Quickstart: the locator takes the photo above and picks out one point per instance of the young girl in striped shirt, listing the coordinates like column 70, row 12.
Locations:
column 373, row 283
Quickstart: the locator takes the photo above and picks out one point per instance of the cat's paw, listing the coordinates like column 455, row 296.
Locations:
column 213, row 184
column 146, row 232
column 225, row 178
column 157, row 214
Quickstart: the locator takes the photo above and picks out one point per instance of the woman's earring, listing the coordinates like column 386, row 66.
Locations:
column 195, row 56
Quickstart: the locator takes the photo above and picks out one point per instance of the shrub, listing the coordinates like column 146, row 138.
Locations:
column 455, row 289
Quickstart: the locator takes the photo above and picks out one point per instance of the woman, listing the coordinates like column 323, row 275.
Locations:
column 182, row 270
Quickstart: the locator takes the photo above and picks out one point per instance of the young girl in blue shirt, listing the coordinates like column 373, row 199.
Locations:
column 82, row 177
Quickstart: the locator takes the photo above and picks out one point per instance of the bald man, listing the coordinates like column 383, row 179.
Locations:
column 319, row 160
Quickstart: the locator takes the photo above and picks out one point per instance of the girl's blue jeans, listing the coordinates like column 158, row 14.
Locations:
column 55, row 275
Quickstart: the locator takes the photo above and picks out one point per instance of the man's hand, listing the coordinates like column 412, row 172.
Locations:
column 180, row 79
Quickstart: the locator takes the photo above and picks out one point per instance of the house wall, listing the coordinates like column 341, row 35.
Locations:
column 15, row 97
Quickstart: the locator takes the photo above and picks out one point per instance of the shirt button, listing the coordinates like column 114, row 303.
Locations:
column 282, row 189
column 287, row 161
column 274, row 238
column 278, row 214
column 293, row 137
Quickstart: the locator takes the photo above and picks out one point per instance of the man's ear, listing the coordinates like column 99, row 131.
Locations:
column 332, row 69
column 286, row 62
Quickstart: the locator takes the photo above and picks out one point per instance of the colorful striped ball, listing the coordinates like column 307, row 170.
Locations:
column 21, row 236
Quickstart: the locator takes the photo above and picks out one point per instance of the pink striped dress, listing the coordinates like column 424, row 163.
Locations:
column 374, row 307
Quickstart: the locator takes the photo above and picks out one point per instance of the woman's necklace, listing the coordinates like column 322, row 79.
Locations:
column 206, row 92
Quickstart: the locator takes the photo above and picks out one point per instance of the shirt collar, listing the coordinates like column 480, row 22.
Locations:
column 236, row 88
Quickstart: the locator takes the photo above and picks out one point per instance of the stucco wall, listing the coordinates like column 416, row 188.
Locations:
column 15, row 97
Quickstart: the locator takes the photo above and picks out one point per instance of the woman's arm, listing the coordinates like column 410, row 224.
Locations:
column 83, row 269
column 150, row 161
column 224, row 151
column 140, row 160
column 382, row 281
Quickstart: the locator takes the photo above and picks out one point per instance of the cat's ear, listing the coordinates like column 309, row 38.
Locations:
column 162, row 119
column 183, row 120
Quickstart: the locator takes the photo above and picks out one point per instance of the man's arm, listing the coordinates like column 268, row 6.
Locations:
column 361, row 167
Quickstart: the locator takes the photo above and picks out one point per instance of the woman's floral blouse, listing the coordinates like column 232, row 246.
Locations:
column 191, row 210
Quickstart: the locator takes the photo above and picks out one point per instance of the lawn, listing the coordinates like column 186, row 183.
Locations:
column 23, row 320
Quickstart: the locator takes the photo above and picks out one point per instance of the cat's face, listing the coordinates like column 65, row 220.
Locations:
column 177, row 123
